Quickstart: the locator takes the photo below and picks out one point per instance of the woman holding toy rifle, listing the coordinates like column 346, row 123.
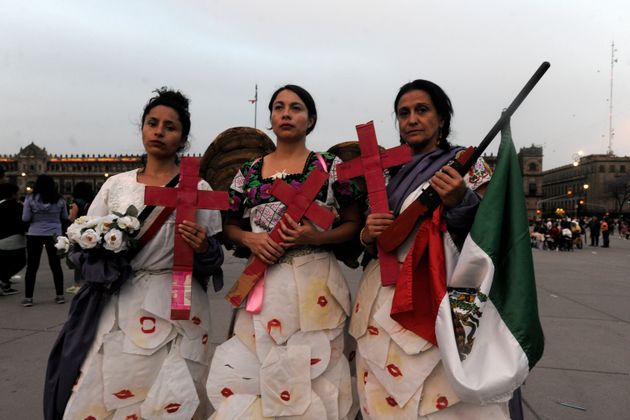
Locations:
column 399, row 372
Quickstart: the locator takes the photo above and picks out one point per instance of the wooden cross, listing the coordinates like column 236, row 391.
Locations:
column 300, row 203
column 186, row 199
column 371, row 165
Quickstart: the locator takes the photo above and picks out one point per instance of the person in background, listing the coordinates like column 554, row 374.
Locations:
column 44, row 210
column 594, row 229
column 82, row 196
column 12, row 240
column 605, row 233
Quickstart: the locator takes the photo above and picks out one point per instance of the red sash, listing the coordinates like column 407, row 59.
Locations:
column 421, row 285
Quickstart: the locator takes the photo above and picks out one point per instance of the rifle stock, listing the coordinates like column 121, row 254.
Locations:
column 429, row 200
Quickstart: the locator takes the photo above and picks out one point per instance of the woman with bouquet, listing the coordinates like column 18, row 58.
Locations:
column 134, row 362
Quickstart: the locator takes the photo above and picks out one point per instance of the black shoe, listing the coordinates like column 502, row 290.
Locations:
column 60, row 299
column 27, row 302
column 8, row 292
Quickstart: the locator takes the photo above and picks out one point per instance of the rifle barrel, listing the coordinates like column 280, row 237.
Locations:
column 505, row 116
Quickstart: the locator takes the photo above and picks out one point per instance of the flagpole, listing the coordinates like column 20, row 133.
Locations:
column 255, row 104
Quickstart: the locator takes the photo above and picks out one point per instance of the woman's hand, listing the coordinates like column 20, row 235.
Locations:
column 449, row 185
column 375, row 225
column 194, row 235
column 263, row 247
column 293, row 233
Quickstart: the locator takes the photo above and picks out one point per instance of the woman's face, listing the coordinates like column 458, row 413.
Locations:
column 418, row 121
column 289, row 116
column 162, row 132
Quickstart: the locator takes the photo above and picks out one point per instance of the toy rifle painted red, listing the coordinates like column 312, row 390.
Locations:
column 371, row 165
column 429, row 200
column 299, row 204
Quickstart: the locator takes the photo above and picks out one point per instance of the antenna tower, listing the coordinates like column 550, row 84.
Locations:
column 611, row 130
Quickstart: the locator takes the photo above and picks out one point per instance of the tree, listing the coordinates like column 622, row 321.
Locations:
column 620, row 190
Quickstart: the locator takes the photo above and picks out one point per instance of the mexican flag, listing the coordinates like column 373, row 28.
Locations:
column 487, row 327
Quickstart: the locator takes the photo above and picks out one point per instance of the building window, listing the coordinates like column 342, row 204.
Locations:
column 622, row 168
column 532, row 188
column 611, row 169
column 533, row 167
column 67, row 187
column 602, row 168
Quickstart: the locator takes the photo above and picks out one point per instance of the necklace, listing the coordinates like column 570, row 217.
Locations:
column 280, row 175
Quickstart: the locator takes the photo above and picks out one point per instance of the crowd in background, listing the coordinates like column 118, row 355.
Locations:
column 566, row 234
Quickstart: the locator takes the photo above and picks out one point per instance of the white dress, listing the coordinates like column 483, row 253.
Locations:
column 399, row 374
column 141, row 364
column 288, row 361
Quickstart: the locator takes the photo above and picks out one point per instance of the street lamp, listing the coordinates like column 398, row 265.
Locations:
column 576, row 157
column 585, row 187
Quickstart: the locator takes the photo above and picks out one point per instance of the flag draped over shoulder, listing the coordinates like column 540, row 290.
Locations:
column 487, row 327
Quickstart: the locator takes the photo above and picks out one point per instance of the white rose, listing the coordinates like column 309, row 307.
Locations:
column 62, row 244
column 113, row 240
column 74, row 232
column 82, row 220
column 135, row 224
column 128, row 223
column 104, row 224
column 90, row 222
column 89, row 239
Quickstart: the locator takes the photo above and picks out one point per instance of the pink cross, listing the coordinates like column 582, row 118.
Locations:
column 300, row 203
column 371, row 165
column 186, row 199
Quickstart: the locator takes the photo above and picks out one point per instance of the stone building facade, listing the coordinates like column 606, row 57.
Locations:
column 530, row 162
column 31, row 161
column 607, row 177
column 596, row 184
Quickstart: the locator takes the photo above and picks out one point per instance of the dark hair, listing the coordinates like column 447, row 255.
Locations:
column 83, row 191
column 172, row 99
column 7, row 190
column 440, row 100
column 304, row 96
column 46, row 188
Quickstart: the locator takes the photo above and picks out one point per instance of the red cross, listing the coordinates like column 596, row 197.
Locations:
column 371, row 165
column 186, row 199
column 300, row 203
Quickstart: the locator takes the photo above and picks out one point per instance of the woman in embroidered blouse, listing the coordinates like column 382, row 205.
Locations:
column 399, row 373
column 291, row 347
column 142, row 364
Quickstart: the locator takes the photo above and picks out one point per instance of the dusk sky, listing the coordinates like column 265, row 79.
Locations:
column 74, row 75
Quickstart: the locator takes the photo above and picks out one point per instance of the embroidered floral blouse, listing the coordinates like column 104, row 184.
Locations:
column 250, row 197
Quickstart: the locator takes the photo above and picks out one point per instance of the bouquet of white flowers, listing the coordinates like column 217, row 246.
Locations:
column 100, row 239
column 115, row 232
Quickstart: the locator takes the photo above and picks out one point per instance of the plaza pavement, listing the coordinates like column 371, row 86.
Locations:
column 583, row 304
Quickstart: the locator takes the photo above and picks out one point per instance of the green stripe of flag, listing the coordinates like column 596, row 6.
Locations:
column 501, row 230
